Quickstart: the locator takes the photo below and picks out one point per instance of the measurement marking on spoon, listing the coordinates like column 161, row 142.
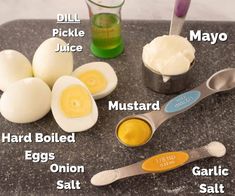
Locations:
column 182, row 101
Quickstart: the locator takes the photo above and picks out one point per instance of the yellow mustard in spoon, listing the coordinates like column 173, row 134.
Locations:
column 140, row 136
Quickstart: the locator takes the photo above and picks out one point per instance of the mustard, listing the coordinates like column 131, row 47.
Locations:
column 134, row 132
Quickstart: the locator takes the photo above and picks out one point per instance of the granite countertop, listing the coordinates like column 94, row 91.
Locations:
column 98, row 149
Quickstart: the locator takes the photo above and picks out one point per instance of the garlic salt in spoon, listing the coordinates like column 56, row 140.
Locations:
column 159, row 163
column 137, row 130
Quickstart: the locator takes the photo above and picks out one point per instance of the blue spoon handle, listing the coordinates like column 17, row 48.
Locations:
column 222, row 80
column 186, row 100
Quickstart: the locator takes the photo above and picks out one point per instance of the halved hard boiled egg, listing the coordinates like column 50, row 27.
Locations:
column 73, row 106
column 99, row 77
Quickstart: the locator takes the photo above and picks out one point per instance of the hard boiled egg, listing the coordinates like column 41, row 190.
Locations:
column 26, row 101
column 13, row 66
column 48, row 64
column 99, row 77
column 73, row 107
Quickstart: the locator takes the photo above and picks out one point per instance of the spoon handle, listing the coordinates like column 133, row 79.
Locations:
column 160, row 163
column 185, row 101
column 179, row 14
column 172, row 160
column 164, row 162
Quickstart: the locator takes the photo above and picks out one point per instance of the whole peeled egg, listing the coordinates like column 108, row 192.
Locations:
column 26, row 101
column 14, row 66
column 72, row 105
column 50, row 64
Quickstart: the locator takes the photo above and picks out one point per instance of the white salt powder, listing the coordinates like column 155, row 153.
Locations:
column 104, row 178
column 216, row 149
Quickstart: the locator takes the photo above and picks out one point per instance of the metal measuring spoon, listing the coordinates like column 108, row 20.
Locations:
column 159, row 163
column 220, row 81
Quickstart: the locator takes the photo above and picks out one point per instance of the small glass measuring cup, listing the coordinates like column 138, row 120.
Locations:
column 105, row 19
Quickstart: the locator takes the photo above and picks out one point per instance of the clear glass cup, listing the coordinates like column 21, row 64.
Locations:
column 105, row 19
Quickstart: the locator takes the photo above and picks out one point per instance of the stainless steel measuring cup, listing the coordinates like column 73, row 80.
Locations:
column 155, row 81
column 223, row 80
column 171, row 84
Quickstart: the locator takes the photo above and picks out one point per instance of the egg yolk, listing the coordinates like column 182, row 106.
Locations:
column 75, row 102
column 134, row 132
column 94, row 80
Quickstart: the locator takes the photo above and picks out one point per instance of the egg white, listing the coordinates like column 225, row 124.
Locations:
column 14, row 66
column 108, row 73
column 26, row 101
column 71, row 124
column 48, row 64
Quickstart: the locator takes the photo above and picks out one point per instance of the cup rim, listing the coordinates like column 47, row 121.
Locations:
column 158, row 73
column 106, row 6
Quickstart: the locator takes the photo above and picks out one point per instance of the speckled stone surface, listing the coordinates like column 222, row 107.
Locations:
column 98, row 149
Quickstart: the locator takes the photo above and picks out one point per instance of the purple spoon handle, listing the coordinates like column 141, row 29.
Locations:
column 181, row 7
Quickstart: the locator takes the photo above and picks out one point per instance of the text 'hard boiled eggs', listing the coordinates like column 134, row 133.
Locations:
column 99, row 77
column 73, row 107
column 48, row 64
column 14, row 66
column 26, row 101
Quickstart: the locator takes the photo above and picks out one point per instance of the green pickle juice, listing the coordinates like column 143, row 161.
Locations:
column 106, row 30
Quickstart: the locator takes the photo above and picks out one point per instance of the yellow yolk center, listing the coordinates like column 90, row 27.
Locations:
column 75, row 101
column 95, row 81
column 134, row 132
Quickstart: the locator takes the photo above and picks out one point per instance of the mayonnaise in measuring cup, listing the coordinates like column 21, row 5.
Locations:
column 169, row 55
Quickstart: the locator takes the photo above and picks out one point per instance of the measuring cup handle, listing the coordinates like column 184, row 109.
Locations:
column 186, row 100
column 181, row 7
